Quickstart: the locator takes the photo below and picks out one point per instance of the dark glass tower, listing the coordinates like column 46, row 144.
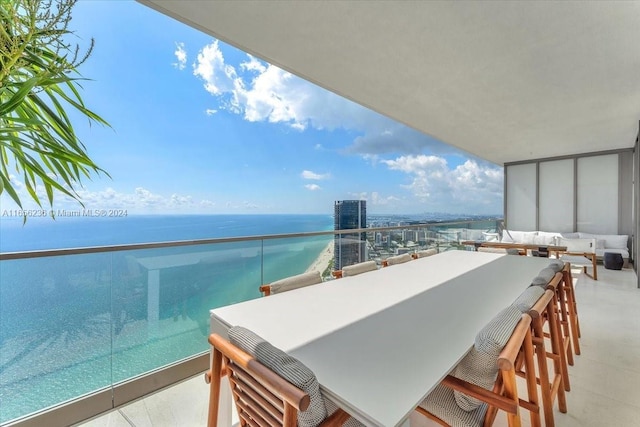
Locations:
column 350, row 248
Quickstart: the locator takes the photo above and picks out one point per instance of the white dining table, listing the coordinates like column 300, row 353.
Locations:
column 380, row 341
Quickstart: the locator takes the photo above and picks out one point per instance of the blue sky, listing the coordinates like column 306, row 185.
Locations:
column 201, row 127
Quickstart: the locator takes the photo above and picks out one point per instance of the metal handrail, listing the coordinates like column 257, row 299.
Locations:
column 179, row 243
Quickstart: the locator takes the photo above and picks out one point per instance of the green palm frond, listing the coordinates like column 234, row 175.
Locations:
column 39, row 85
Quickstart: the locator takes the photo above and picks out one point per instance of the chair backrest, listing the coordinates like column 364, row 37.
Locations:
column 578, row 245
column 492, row 250
column 292, row 282
column 425, row 253
column 362, row 267
column 490, row 378
column 398, row 259
column 261, row 396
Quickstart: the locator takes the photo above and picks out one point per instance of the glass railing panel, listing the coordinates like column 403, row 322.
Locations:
column 290, row 256
column 162, row 300
column 55, row 331
column 74, row 324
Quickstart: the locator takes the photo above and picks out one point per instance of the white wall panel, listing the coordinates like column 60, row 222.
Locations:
column 556, row 181
column 521, row 197
column 598, row 194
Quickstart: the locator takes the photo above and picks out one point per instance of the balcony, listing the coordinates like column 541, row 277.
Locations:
column 603, row 378
column 87, row 330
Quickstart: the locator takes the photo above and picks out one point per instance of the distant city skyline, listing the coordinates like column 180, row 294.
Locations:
column 200, row 127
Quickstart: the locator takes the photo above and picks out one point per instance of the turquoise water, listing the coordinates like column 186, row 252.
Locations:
column 71, row 325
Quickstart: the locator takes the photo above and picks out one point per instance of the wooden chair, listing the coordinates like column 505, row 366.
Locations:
column 572, row 307
column 398, row 259
column 262, row 397
column 561, row 319
column 580, row 252
column 442, row 407
column 293, row 282
column 543, row 311
column 355, row 269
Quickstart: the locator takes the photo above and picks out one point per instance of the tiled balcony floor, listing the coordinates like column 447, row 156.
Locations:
column 605, row 379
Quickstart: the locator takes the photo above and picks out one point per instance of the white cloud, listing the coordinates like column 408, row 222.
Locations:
column 263, row 92
column 210, row 67
column 141, row 200
column 374, row 198
column 315, row 176
column 312, row 187
column 471, row 186
column 181, row 56
column 210, row 111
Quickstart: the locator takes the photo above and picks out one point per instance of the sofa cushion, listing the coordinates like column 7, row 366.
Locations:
column 570, row 235
column 613, row 241
column 546, row 238
column 514, row 236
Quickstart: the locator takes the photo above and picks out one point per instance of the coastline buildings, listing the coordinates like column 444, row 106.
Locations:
column 350, row 248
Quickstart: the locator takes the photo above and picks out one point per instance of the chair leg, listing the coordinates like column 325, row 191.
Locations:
column 560, row 382
column 543, row 372
column 511, row 392
column 564, row 321
column 573, row 315
column 533, row 404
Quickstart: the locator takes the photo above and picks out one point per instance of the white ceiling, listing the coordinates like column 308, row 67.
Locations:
column 506, row 81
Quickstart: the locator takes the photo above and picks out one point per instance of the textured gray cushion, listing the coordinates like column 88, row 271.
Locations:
column 295, row 282
column 528, row 298
column 288, row 367
column 351, row 422
column 362, row 267
column 539, row 281
column 442, row 403
column 544, row 277
column 556, row 265
column 480, row 365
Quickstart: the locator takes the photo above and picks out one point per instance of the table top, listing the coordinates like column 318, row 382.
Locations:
column 380, row 341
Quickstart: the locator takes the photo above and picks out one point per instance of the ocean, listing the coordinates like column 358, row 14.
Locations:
column 71, row 325
column 73, row 232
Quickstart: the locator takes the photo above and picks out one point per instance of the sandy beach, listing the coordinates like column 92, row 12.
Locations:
column 321, row 263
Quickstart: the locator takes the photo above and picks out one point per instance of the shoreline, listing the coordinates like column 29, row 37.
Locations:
column 322, row 261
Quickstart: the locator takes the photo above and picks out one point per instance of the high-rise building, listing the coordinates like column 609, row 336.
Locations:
column 350, row 248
